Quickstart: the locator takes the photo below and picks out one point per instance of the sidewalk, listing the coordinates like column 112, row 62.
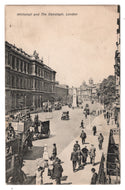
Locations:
column 84, row 176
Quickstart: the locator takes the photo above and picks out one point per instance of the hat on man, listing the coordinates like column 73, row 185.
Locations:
column 93, row 170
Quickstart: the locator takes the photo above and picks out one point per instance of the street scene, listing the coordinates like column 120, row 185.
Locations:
column 62, row 120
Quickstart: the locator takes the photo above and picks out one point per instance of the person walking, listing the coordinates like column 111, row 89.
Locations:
column 50, row 167
column 79, row 158
column 39, row 175
column 94, row 130
column 92, row 154
column 54, row 153
column 76, row 145
column 83, row 136
column 58, row 170
column 94, row 177
column 82, row 124
column 85, row 152
column 74, row 159
column 100, row 140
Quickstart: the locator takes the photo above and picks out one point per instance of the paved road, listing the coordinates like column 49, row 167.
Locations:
column 62, row 133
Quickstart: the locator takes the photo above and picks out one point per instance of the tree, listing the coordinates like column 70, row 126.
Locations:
column 107, row 90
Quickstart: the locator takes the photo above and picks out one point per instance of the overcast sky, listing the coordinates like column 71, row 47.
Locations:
column 76, row 47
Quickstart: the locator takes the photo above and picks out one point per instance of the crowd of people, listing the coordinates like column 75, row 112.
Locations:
column 51, row 169
column 80, row 154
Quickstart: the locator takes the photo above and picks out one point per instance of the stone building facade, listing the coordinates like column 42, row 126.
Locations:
column 87, row 92
column 28, row 81
column 61, row 93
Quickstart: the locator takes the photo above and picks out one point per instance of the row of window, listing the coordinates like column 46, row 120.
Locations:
column 25, row 67
column 27, row 83
column 18, row 64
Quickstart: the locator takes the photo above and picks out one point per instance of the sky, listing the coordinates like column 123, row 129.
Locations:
column 77, row 47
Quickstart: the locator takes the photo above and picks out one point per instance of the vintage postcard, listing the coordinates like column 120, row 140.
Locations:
column 62, row 94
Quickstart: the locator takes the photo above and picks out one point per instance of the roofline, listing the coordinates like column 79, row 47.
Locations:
column 26, row 55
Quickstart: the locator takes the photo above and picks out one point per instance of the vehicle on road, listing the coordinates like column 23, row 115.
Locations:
column 57, row 106
column 47, row 107
column 43, row 130
column 65, row 115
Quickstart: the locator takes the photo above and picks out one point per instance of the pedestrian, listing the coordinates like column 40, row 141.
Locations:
column 76, row 145
column 100, row 140
column 10, row 131
column 50, row 168
column 84, row 154
column 94, row 130
column 82, row 124
column 45, row 156
column 39, row 175
column 58, row 170
column 54, row 153
column 74, row 159
column 92, row 154
column 29, row 139
column 108, row 118
column 94, row 177
column 83, row 136
column 79, row 154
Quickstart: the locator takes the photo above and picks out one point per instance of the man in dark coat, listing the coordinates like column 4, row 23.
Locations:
column 94, row 130
column 58, row 172
column 100, row 139
column 94, row 177
column 74, row 159
column 84, row 154
column 82, row 124
column 54, row 153
column 10, row 131
column 92, row 154
column 83, row 136
column 76, row 146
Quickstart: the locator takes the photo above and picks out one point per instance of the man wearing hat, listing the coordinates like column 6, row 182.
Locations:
column 74, row 158
column 54, row 153
column 39, row 175
column 92, row 154
column 94, row 176
column 84, row 154
column 58, row 171
column 83, row 136
column 76, row 146
column 10, row 131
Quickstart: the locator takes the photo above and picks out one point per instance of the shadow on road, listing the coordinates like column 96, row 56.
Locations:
column 96, row 163
column 64, row 178
column 69, row 183
column 34, row 153
column 30, row 180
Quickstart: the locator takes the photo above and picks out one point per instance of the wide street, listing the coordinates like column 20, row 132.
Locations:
column 62, row 133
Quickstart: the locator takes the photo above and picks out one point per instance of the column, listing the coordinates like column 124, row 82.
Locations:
column 33, row 100
column 6, row 57
column 19, row 65
column 33, row 84
column 15, row 64
column 10, row 60
column 40, row 101
column 33, row 69
column 23, row 66
column 26, row 68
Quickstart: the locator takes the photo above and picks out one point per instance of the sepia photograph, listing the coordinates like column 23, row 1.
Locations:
column 62, row 95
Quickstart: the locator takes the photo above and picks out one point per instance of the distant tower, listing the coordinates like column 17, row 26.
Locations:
column 74, row 104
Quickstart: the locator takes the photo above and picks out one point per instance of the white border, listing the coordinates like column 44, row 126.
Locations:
column 2, row 87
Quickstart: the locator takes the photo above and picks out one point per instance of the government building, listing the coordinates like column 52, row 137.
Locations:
column 28, row 81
